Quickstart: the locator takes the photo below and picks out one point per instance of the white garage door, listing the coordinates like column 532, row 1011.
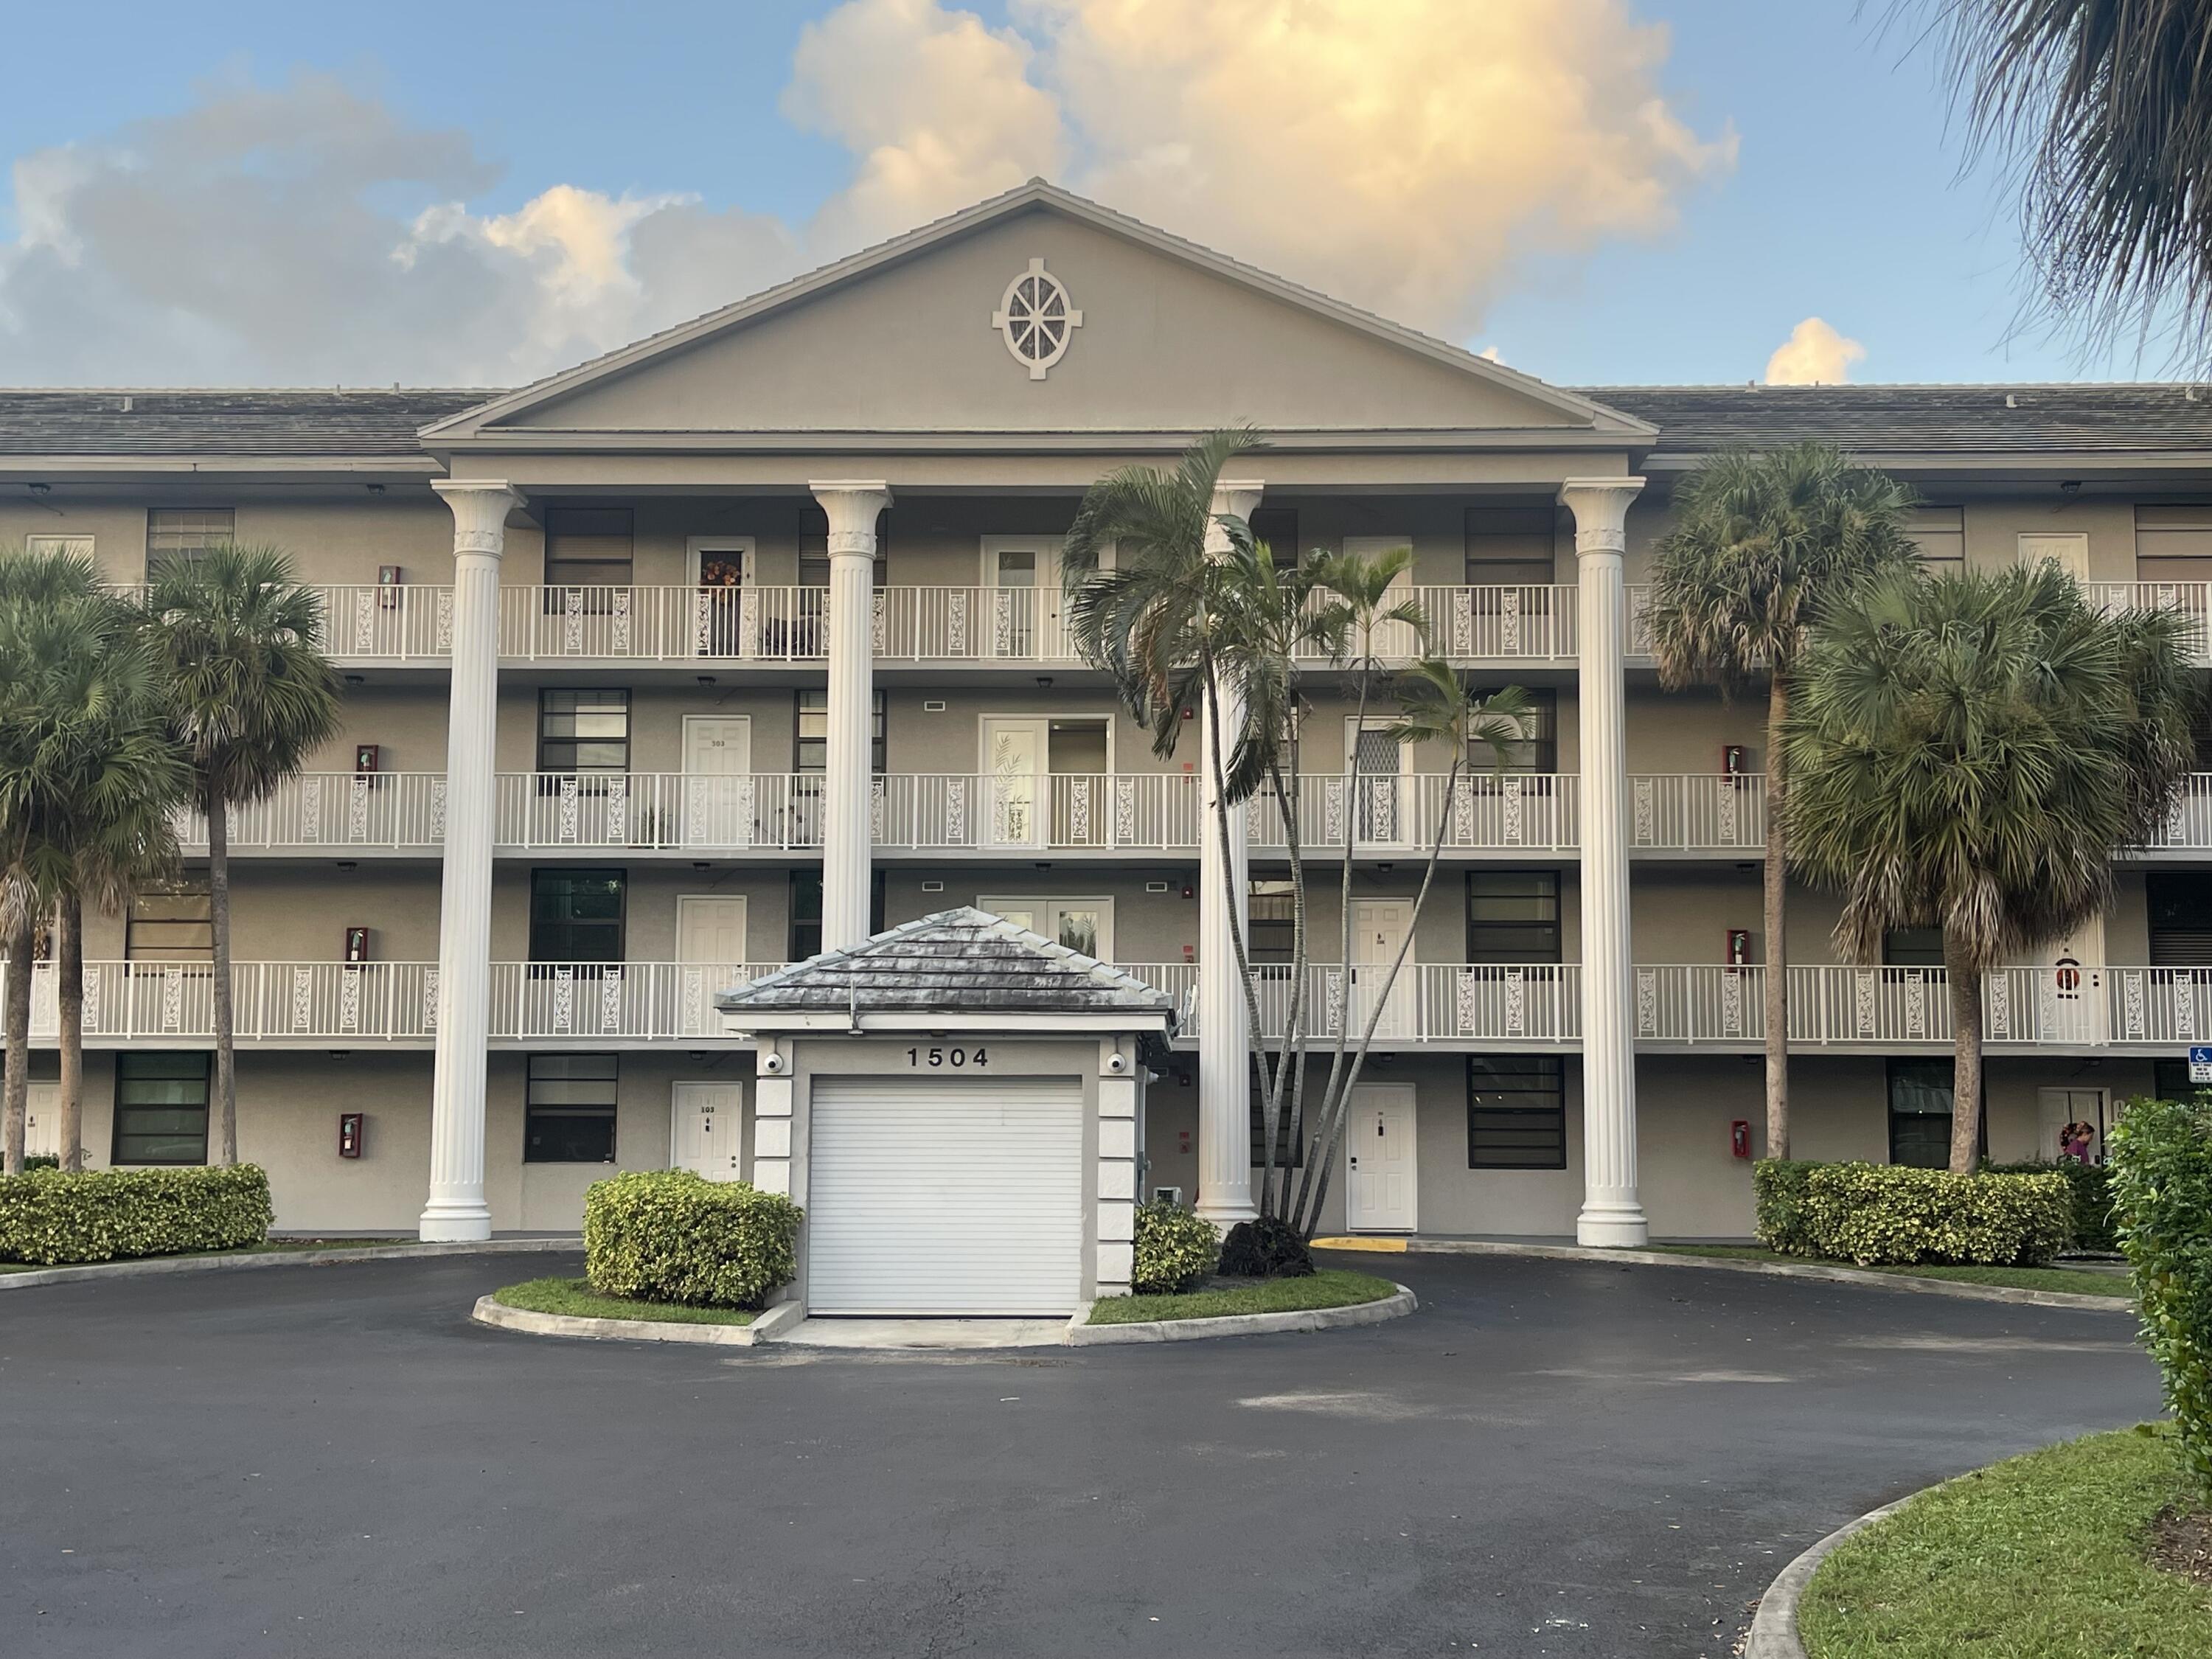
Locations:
column 938, row 1196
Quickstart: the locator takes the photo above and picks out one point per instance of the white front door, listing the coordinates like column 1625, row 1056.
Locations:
column 1383, row 806
column 1379, row 928
column 2070, row 553
column 710, row 950
column 42, row 1121
column 2070, row 987
column 709, row 1135
column 2057, row 1108
column 1022, row 576
column 1380, row 1165
column 718, row 781
column 1014, row 784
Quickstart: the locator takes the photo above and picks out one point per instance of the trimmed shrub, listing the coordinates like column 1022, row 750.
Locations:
column 2092, row 1187
column 42, row 1161
column 1175, row 1250
column 2161, row 1164
column 674, row 1236
column 1882, row 1214
column 1269, row 1248
column 104, row 1215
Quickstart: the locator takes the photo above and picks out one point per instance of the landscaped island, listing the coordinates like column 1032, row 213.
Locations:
column 1219, row 1299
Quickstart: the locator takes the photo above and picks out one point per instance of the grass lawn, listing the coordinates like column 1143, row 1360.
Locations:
column 576, row 1296
column 2074, row 1280
column 2039, row 1557
column 1330, row 1288
column 268, row 1247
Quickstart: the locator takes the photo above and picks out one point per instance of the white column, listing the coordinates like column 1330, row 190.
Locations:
column 1611, row 1214
column 1224, row 1048
column 456, row 1209
column 852, row 507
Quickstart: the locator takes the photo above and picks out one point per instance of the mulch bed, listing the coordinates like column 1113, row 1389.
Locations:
column 2182, row 1543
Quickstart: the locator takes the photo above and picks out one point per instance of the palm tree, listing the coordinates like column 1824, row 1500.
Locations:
column 1969, row 752
column 1176, row 624
column 87, row 779
column 1761, row 542
column 2104, row 110
column 251, row 695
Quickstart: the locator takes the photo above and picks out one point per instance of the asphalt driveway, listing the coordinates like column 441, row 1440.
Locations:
column 1551, row 1458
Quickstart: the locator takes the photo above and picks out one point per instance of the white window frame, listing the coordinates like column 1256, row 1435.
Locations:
column 1103, row 903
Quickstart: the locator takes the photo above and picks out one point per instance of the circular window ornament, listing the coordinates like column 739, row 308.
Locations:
column 1036, row 320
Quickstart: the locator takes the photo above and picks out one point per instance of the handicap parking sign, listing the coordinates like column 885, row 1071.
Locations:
column 2200, row 1065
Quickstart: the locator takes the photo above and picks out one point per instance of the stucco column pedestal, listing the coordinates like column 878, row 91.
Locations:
column 1611, row 1214
column 852, row 507
column 1224, row 1048
column 456, row 1209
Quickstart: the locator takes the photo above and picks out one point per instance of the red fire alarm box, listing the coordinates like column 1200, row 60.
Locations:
column 365, row 759
column 1739, row 947
column 1740, row 1137
column 1732, row 760
column 356, row 946
column 349, row 1134
column 388, row 582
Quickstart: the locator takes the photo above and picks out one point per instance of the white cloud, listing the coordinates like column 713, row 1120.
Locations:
column 1410, row 157
column 1814, row 355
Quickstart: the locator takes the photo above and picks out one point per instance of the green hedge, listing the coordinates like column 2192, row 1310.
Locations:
column 2091, row 1185
column 100, row 1215
column 1887, row 1214
column 1176, row 1249
column 672, row 1235
column 2162, row 1163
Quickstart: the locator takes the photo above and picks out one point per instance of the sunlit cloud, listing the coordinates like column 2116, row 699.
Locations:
column 1814, row 355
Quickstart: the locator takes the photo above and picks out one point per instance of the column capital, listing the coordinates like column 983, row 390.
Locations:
column 480, row 507
column 1601, row 510
column 1237, row 496
column 852, row 506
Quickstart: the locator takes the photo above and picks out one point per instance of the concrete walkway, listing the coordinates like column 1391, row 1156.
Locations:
column 941, row 1335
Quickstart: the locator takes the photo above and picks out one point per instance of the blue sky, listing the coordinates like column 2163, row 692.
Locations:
column 1842, row 197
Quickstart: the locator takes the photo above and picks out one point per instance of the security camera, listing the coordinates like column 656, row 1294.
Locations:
column 772, row 1063
column 1118, row 1063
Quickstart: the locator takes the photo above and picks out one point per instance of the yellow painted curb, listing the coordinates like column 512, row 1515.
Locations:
column 1355, row 1241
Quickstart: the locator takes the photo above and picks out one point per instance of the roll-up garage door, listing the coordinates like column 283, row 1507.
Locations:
column 929, row 1195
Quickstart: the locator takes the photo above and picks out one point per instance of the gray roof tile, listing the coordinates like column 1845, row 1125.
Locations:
column 962, row 961
column 244, row 422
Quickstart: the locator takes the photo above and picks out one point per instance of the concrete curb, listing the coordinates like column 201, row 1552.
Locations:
column 1773, row 1270
column 149, row 1265
column 1188, row 1330
column 1774, row 1627
column 490, row 1310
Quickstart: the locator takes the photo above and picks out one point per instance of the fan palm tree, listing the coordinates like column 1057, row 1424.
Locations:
column 1969, row 752
column 1761, row 542
column 87, row 779
column 2103, row 108
column 251, row 695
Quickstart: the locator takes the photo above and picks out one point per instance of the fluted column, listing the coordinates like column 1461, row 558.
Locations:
column 852, row 507
column 457, row 1209
column 1611, row 1214
column 1224, row 1051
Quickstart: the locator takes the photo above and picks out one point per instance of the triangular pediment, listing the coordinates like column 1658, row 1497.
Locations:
column 910, row 337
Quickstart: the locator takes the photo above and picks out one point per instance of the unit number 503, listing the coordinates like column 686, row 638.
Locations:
column 953, row 1057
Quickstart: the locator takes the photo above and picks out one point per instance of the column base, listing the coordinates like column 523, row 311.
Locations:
column 1612, row 1227
column 1228, row 1214
column 455, row 1222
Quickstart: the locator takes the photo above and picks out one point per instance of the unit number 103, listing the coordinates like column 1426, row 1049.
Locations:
column 953, row 1057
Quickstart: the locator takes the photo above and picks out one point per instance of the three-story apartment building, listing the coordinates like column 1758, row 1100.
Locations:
column 746, row 641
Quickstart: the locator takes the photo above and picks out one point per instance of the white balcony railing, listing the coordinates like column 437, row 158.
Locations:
column 767, row 624
column 1537, row 1004
column 375, row 811
column 550, row 811
column 343, row 1003
column 1697, row 811
column 1404, row 813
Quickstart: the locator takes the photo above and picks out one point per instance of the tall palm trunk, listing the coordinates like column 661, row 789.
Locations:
column 18, row 1087
column 68, row 1000
column 1965, row 975
column 226, row 1059
column 1775, row 882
